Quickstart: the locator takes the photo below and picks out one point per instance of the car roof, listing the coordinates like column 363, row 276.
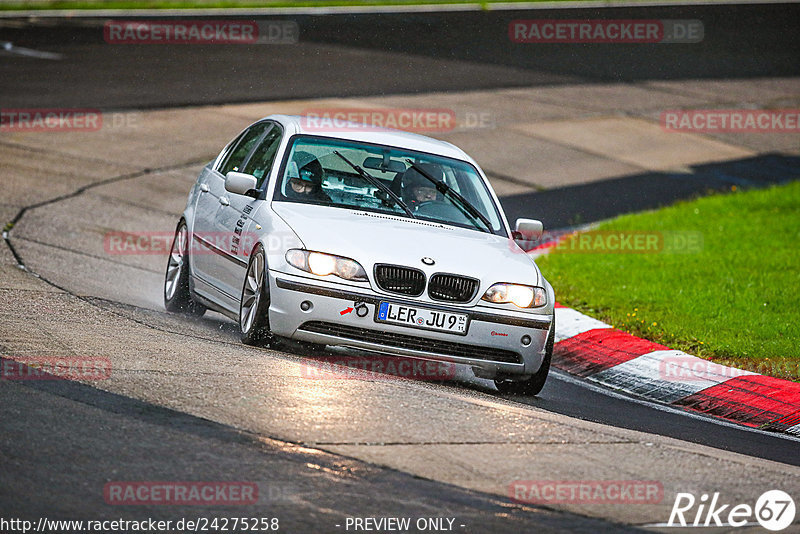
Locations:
column 353, row 131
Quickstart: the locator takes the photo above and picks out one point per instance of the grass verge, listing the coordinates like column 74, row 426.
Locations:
column 725, row 286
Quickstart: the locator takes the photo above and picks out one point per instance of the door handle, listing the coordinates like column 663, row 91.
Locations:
column 204, row 188
column 224, row 201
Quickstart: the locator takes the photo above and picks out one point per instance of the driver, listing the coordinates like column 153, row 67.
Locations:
column 416, row 189
column 305, row 178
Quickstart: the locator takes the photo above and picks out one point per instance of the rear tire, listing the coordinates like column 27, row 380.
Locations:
column 534, row 384
column 177, row 293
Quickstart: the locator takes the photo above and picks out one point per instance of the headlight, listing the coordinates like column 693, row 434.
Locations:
column 322, row 264
column 522, row 296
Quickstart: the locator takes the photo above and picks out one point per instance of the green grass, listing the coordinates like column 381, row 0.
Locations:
column 189, row 4
column 735, row 301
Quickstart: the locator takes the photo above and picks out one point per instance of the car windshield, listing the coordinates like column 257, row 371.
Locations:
column 347, row 174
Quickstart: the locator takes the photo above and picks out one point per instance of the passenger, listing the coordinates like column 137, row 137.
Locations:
column 305, row 179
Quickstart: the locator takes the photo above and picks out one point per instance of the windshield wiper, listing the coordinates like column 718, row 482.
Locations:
column 377, row 183
column 445, row 189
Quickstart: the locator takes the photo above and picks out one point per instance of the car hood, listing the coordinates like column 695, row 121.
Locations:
column 372, row 238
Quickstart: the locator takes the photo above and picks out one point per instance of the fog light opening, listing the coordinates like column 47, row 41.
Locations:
column 526, row 340
column 306, row 306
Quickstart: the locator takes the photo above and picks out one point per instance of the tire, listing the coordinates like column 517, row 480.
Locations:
column 254, row 310
column 177, row 293
column 534, row 384
column 254, row 306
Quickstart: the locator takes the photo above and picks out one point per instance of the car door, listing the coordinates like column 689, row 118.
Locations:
column 211, row 250
column 238, row 219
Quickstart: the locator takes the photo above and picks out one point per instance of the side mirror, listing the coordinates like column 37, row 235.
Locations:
column 240, row 183
column 528, row 229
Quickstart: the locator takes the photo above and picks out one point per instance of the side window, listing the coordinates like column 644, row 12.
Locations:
column 233, row 161
column 227, row 152
column 261, row 162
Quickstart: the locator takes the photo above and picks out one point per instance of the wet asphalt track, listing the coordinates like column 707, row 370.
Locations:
column 373, row 54
column 101, row 76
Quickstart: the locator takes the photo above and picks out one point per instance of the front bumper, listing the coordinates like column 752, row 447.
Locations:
column 493, row 342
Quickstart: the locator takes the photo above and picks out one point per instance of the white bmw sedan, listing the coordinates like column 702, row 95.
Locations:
column 373, row 239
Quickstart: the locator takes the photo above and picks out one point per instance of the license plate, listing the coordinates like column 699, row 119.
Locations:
column 422, row 318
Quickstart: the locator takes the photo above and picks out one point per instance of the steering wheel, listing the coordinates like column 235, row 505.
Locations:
column 427, row 205
column 440, row 210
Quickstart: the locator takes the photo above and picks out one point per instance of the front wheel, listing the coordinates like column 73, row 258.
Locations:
column 177, row 295
column 254, row 308
column 534, row 384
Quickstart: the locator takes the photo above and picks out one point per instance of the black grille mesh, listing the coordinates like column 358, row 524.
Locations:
column 452, row 288
column 392, row 339
column 399, row 279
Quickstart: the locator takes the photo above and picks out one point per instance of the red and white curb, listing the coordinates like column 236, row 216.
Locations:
column 595, row 351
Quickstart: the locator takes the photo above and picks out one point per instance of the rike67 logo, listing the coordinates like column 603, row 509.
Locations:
column 774, row 510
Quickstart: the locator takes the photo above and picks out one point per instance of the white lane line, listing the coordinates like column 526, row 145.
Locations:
column 9, row 48
column 665, row 375
column 571, row 323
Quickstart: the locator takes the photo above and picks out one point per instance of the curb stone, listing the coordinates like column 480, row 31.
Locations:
column 595, row 351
